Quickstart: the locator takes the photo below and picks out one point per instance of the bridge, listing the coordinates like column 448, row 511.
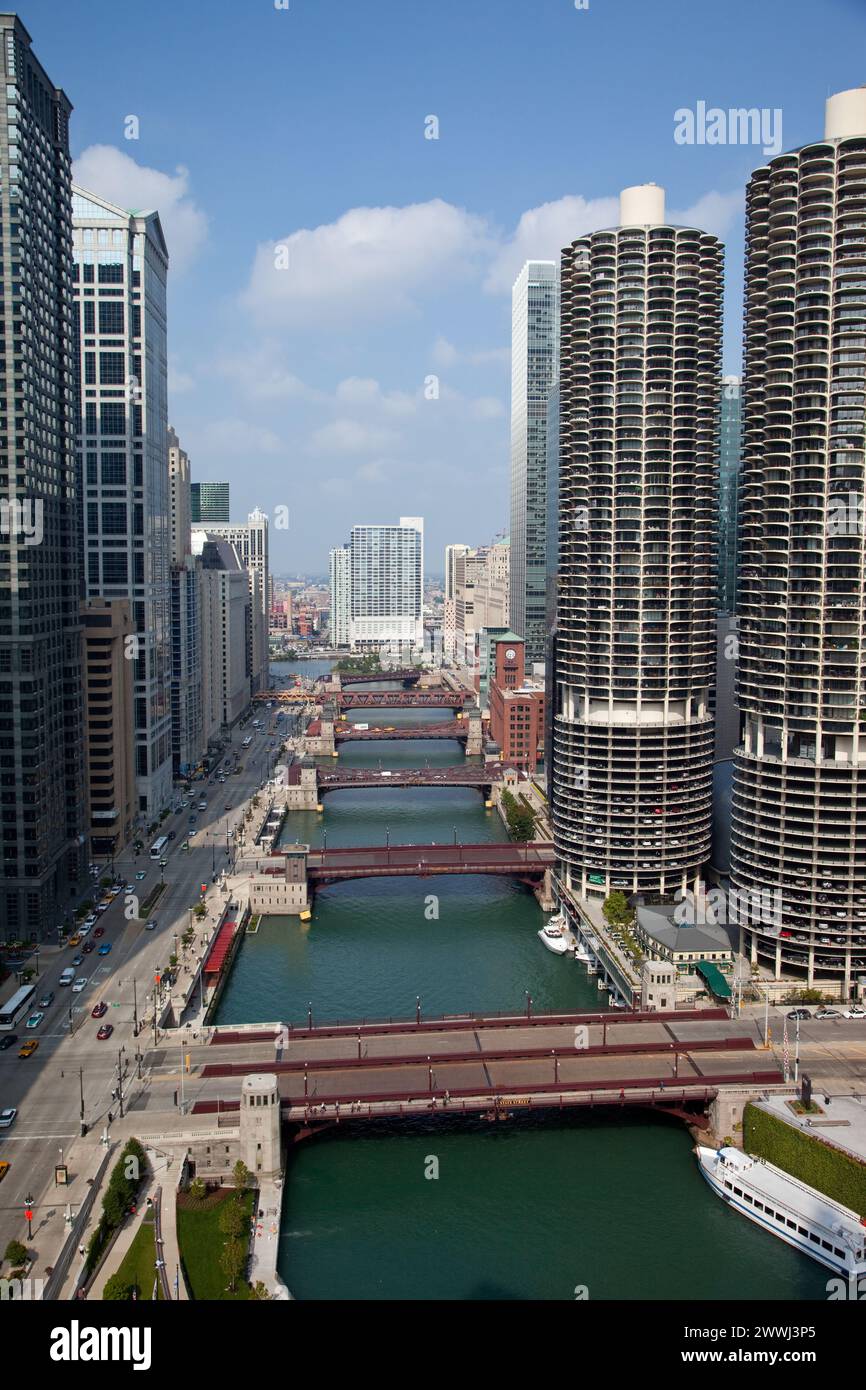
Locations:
column 494, row 1064
column 465, row 776
column 292, row 696
column 528, row 862
column 457, row 729
column 408, row 676
column 432, row 697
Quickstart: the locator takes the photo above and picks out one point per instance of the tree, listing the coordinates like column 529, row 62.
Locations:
column 616, row 910
column 241, row 1176
column 117, row 1289
column 231, row 1218
column 16, row 1253
column 197, row 1189
column 260, row 1291
column 232, row 1261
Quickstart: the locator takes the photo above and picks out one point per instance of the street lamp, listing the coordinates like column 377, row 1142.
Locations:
column 528, row 1005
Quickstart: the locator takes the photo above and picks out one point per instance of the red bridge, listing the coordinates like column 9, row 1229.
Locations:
column 408, row 677
column 439, row 697
column 455, row 728
column 344, row 1072
column 527, row 862
column 465, row 776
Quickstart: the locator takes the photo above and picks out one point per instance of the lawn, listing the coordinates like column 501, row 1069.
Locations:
column 201, row 1244
column 139, row 1263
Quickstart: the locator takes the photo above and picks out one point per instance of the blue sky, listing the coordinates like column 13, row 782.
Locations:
column 303, row 128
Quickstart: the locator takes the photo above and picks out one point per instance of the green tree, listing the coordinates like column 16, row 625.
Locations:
column 117, row 1289
column 232, row 1261
column 198, row 1189
column 260, row 1291
column 241, row 1176
column 231, row 1219
column 616, row 910
column 16, row 1253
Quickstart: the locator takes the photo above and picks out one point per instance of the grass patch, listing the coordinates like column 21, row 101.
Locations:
column 804, row 1156
column 139, row 1262
column 201, row 1244
column 151, row 900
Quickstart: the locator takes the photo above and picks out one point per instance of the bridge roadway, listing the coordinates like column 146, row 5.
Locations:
column 528, row 861
column 474, row 1064
column 467, row 775
column 457, row 729
column 408, row 675
column 438, row 697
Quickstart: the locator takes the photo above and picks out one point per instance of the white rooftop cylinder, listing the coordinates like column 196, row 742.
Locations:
column 845, row 114
column 642, row 206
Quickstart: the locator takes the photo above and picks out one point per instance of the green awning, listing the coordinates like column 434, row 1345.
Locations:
column 714, row 979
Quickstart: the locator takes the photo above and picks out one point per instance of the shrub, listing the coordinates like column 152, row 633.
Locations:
column 16, row 1253
column 117, row 1290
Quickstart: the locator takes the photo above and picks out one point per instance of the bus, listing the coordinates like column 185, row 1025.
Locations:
column 16, row 1007
column 247, row 743
column 158, row 848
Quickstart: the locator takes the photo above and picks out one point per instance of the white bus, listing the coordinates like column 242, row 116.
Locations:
column 158, row 848
column 247, row 742
column 15, row 1008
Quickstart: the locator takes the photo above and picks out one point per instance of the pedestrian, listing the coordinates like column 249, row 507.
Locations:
column 81, row 1250
column 61, row 1076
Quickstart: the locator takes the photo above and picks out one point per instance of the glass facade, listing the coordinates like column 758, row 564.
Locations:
column 209, row 503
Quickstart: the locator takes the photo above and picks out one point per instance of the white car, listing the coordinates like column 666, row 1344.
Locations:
column 7, row 1118
column 854, row 1012
column 80, row 984
column 34, row 1020
column 91, row 920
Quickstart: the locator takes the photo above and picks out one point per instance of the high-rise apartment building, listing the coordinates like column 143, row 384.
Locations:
column 340, row 583
column 730, row 436
column 387, row 585
column 120, row 273
column 534, row 350
column 636, row 622
column 250, row 540
column 481, row 594
column 799, row 803
column 43, row 803
column 449, row 603
column 112, row 797
column 188, row 742
column 210, row 503
column 180, row 505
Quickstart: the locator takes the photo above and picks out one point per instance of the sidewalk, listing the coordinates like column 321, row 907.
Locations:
column 266, row 1241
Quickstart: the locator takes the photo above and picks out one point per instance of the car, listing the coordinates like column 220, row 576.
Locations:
column 88, row 947
column 228, row 806
column 7, row 1117
column 83, row 930
column 99, row 1009
column 100, row 931
column 27, row 1049
column 76, row 960
column 163, row 863
column 151, row 925
column 828, row 1013
column 47, row 999
column 130, row 888
column 9, row 1041
column 74, row 940
column 854, row 1012
column 105, row 1032
column 185, row 847
column 90, row 920
column 34, row 1020
column 140, row 875
column 172, row 834
column 80, row 984
column 102, row 907
column 799, row 1013
column 104, row 949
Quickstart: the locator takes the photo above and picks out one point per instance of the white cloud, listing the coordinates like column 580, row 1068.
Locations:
column 350, row 437
column 364, row 391
column 112, row 174
column 444, row 354
column 179, row 382
column 261, row 376
column 237, row 439
column 714, row 212
column 370, row 263
column 487, row 408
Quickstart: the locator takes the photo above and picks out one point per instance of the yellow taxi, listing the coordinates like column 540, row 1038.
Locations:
column 74, row 940
column 4, row 1168
column 28, row 1048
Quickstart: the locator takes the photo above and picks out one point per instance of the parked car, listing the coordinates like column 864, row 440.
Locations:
column 47, row 999
column 74, row 940
column 799, row 1013
column 99, row 1009
column 856, row 1011
column 7, row 1117
column 828, row 1013
column 105, row 1032
column 34, row 1020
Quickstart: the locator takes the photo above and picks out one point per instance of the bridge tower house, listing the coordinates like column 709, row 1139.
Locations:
column 260, row 1128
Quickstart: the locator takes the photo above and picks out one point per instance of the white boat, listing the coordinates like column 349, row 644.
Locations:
column 581, row 953
column 557, row 920
column 554, row 939
column 814, row 1224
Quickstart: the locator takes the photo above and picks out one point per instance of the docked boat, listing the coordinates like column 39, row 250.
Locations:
column 814, row 1224
column 554, row 939
column 581, row 953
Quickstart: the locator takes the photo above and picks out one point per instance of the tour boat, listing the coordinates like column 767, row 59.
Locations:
column 832, row 1234
column 554, row 939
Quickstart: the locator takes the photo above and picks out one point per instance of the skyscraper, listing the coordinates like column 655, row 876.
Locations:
column 387, row 585
column 635, row 647
column 41, row 690
column 799, row 803
column 121, row 267
column 210, row 503
column 340, row 579
column 534, row 349
column 730, row 430
column 250, row 540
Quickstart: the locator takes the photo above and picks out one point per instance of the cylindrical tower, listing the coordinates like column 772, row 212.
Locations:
column 799, row 803
column 639, row 380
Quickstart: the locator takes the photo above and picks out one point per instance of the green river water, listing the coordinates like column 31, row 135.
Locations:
column 534, row 1208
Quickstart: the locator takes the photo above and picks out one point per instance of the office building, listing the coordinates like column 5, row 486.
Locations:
column 516, row 705
column 534, row 350
column 636, row 620
column 481, row 588
column 250, row 540
column 110, row 749
column 225, row 627
column 340, row 583
column 387, row 586
column 41, row 680
column 449, row 604
column 799, row 802
column 209, row 502
column 120, row 273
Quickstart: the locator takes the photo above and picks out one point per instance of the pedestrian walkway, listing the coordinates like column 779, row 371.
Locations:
column 266, row 1241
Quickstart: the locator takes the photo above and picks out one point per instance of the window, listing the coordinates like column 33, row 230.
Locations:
column 89, row 313
column 112, row 368
column 111, row 274
column 112, row 418
column 114, row 518
column 110, row 316
column 114, row 470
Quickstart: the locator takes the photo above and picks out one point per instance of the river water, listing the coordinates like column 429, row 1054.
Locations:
column 535, row 1208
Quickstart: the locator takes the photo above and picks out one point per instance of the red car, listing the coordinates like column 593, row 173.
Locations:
column 99, row 1009
column 100, row 931
column 105, row 1032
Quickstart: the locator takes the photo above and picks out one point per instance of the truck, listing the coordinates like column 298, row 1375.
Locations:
column 67, row 976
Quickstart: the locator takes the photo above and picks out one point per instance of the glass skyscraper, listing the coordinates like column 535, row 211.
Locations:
column 42, row 808
column 209, row 503
column 534, row 352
